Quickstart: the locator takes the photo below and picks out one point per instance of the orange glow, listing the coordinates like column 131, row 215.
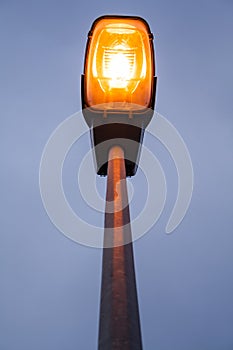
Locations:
column 119, row 63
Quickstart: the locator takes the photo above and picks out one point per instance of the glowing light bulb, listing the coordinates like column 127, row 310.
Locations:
column 118, row 66
column 119, row 70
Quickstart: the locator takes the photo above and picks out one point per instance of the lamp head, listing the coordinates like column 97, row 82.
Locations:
column 118, row 84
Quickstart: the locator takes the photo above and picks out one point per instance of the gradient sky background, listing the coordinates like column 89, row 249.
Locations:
column 49, row 295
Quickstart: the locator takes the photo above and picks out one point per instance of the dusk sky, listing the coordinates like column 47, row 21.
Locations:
column 50, row 285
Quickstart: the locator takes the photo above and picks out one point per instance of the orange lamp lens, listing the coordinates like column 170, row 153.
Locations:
column 119, row 64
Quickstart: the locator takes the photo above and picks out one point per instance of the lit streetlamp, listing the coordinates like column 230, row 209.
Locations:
column 118, row 96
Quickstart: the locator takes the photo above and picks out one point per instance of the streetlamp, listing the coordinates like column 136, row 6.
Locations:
column 118, row 96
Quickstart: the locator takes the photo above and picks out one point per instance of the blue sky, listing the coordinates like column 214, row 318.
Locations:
column 50, row 286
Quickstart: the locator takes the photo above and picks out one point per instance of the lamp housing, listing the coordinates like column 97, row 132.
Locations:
column 118, row 87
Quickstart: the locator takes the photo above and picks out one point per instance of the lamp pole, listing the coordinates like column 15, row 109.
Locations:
column 119, row 327
column 118, row 96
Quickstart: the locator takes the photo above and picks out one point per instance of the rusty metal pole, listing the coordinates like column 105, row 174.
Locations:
column 119, row 327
